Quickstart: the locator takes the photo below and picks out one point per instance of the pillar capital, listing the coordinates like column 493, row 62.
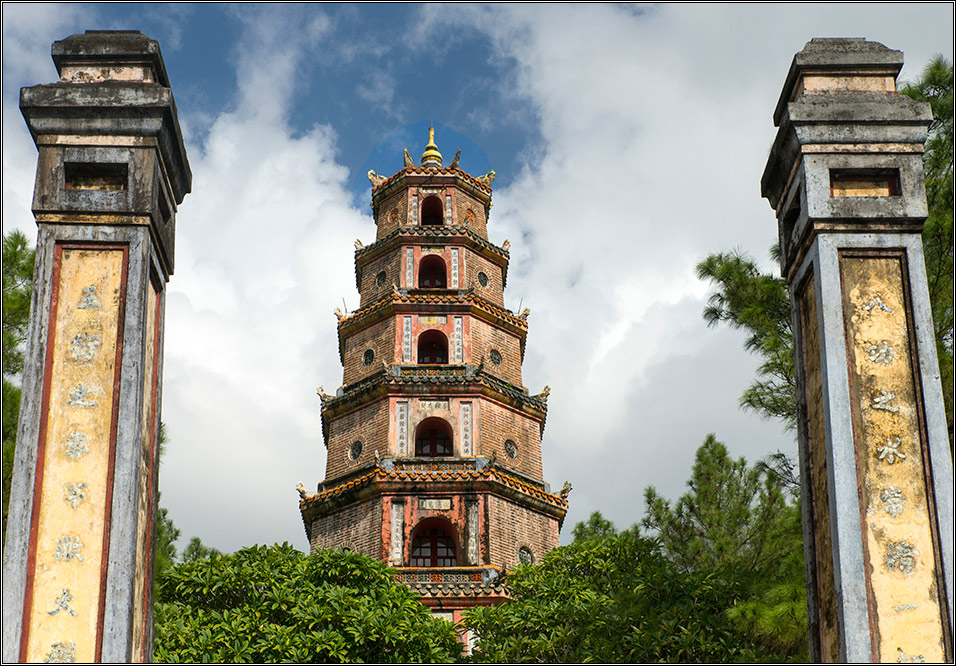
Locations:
column 848, row 152
column 108, row 133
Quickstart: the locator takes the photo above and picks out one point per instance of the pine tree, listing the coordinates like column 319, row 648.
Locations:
column 18, row 260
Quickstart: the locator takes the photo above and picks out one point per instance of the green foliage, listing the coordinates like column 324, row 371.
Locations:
column 197, row 550
column 745, row 522
column 729, row 517
column 759, row 304
column 935, row 86
column 612, row 600
column 274, row 604
column 18, row 259
column 596, row 527
column 166, row 535
column 774, row 612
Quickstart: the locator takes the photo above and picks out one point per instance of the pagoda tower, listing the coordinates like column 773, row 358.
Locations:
column 434, row 445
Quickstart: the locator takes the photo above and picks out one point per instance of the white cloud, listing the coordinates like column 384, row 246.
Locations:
column 263, row 257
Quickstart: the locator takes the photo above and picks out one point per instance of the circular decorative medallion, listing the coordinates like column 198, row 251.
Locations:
column 380, row 278
column 495, row 356
column 393, row 215
column 368, row 357
column 511, row 449
column 355, row 451
column 482, row 279
column 525, row 555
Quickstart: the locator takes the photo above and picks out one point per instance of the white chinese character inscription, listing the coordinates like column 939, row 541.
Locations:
column 89, row 299
column 74, row 493
column 882, row 353
column 63, row 603
column 69, row 548
column 406, row 339
column 876, row 301
column 890, row 452
column 61, row 653
column 83, row 347
column 883, row 402
column 82, row 396
column 900, row 557
column 893, row 500
column 76, row 445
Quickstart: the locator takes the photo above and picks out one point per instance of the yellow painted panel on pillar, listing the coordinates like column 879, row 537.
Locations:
column 900, row 542
column 68, row 560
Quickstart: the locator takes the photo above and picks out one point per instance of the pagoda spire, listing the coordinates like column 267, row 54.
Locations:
column 431, row 156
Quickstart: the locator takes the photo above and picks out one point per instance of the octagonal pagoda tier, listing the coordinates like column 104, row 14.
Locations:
column 434, row 445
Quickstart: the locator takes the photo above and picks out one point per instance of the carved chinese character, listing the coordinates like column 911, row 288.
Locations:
column 82, row 396
column 83, row 347
column 89, row 299
column 899, row 556
column 63, row 603
column 883, row 402
column 893, row 499
column 76, row 445
column 74, row 493
column 874, row 302
column 69, row 548
column 880, row 354
column 891, row 451
column 61, row 653
column 901, row 658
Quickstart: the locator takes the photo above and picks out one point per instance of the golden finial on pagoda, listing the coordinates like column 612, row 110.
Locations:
column 431, row 156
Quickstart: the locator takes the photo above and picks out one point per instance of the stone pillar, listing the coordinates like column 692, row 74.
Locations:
column 78, row 560
column 845, row 178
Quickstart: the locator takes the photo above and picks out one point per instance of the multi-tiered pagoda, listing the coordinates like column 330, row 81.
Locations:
column 434, row 446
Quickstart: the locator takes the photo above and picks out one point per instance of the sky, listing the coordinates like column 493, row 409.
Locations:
column 628, row 142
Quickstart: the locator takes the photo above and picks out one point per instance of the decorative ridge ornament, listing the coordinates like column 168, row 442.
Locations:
column 431, row 156
column 375, row 179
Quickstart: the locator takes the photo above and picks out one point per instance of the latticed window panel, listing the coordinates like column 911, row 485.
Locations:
column 433, row 443
column 434, row 548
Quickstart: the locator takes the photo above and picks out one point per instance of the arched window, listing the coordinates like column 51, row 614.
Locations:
column 433, row 545
column 433, row 439
column 432, row 211
column 431, row 273
column 432, row 347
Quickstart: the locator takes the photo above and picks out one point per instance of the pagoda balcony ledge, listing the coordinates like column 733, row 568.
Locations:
column 440, row 463
column 433, row 369
column 484, row 575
